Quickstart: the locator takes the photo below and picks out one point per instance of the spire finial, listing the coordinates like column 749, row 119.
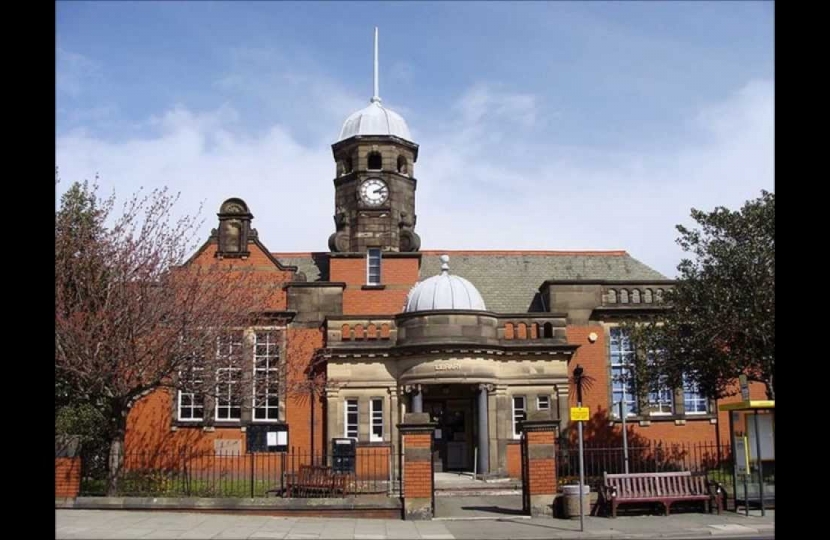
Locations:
column 445, row 264
column 376, row 95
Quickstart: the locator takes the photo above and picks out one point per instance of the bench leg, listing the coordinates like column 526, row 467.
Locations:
column 613, row 509
column 667, row 504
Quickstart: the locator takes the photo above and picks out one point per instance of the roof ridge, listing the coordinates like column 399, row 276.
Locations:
column 617, row 252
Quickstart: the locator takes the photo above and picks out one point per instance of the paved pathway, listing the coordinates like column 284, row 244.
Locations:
column 157, row 524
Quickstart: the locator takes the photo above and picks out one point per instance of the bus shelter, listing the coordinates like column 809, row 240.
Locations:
column 752, row 434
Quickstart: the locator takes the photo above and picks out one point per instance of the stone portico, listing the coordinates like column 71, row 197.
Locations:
column 475, row 372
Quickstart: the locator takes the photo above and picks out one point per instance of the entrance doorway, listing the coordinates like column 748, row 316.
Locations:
column 452, row 408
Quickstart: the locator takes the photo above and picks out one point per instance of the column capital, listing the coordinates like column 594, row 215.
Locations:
column 486, row 387
column 412, row 388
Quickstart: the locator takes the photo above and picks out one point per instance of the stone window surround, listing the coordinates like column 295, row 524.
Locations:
column 678, row 416
column 364, row 397
column 208, row 421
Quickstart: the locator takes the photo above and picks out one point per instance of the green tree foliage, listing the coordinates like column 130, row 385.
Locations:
column 721, row 321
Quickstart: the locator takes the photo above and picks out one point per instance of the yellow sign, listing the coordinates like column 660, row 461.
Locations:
column 579, row 414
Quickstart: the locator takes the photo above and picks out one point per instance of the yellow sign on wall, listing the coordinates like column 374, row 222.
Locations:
column 579, row 414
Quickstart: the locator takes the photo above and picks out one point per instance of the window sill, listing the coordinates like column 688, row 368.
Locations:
column 663, row 418
column 372, row 287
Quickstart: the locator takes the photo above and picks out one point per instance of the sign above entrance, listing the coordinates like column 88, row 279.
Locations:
column 580, row 414
column 447, row 367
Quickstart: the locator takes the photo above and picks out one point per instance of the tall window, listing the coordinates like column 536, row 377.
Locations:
column 351, row 419
column 229, row 376
column 622, row 382
column 519, row 414
column 693, row 400
column 376, row 435
column 191, row 396
column 661, row 401
column 266, row 375
column 373, row 267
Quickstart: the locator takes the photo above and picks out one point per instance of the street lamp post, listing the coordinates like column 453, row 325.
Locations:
column 579, row 373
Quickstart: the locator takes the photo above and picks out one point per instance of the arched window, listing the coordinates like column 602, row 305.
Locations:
column 375, row 161
column 658, row 296
column 612, row 296
column 647, row 296
column 623, row 296
column 402, row 165
column 635, row 296
column 548, row 329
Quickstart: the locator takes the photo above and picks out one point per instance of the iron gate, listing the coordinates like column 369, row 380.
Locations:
column 525, row 474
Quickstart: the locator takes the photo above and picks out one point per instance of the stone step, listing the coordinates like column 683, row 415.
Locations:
column 476, row 492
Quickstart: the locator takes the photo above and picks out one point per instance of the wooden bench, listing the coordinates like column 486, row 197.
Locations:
column 665, row 488
column 316, row 481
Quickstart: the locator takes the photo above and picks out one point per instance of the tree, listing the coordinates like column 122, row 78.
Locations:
column 721, row 321
column 129, row 314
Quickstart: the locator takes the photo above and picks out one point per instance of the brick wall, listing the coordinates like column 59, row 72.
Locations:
column 67, row 476
column 514, row 459
column 398, row 275
column 542, row 471
column 417, row 475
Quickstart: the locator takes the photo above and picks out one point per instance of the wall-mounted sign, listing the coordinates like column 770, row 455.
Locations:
column 447, row 367
column 580, row 414
column 267, row 438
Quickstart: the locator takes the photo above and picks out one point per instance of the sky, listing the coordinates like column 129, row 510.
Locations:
column 541, row 125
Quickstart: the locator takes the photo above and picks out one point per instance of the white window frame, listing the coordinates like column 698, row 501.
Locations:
column 195, row 380
column 270, row 373
column 376, row 419
column 234, row 376
column 346, row 403
column 372, row 255
column 692, row 394
column 662, row 399
column 621, row 368
column 523, row 409
column 539, row 406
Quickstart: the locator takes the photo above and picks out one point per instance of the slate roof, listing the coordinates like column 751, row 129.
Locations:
column 508, row 281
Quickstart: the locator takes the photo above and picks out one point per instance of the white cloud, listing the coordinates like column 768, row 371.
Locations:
column 485, row 182
column 73, row 71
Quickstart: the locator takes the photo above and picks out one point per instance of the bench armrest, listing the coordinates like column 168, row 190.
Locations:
column 715, row 488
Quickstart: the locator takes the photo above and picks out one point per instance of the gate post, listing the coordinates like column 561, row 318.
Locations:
column 418, row 491
column 539, row 463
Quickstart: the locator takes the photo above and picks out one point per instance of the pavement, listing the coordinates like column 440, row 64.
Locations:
column 120, row 524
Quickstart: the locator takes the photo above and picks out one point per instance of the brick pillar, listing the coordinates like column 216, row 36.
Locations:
column 539, row 474
column 416, row 444
column 67, row 477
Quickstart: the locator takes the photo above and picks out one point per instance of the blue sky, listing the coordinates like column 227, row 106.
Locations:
column 542, row 125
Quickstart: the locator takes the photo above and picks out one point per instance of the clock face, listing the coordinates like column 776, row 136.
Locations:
column 374, row 192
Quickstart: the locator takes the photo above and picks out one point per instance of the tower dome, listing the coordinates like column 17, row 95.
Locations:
column 444, row 291
column 375, row 119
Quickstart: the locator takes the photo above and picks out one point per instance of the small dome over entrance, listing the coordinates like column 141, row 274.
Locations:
column 444, row 291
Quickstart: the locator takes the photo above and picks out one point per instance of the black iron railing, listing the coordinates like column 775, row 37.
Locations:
column 654, row 456
column 188, row 473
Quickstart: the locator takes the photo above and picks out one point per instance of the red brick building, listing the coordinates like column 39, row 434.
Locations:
column 478, row 340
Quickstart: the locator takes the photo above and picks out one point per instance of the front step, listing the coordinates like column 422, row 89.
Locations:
column 452, row 485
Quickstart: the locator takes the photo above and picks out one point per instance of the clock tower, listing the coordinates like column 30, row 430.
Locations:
column 375, row 184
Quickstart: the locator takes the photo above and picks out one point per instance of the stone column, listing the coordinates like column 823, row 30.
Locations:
column 483, row 429
column 564, row 410
column 334, row 415
column 539, row 477
column 416, row 443
column 417, row 399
